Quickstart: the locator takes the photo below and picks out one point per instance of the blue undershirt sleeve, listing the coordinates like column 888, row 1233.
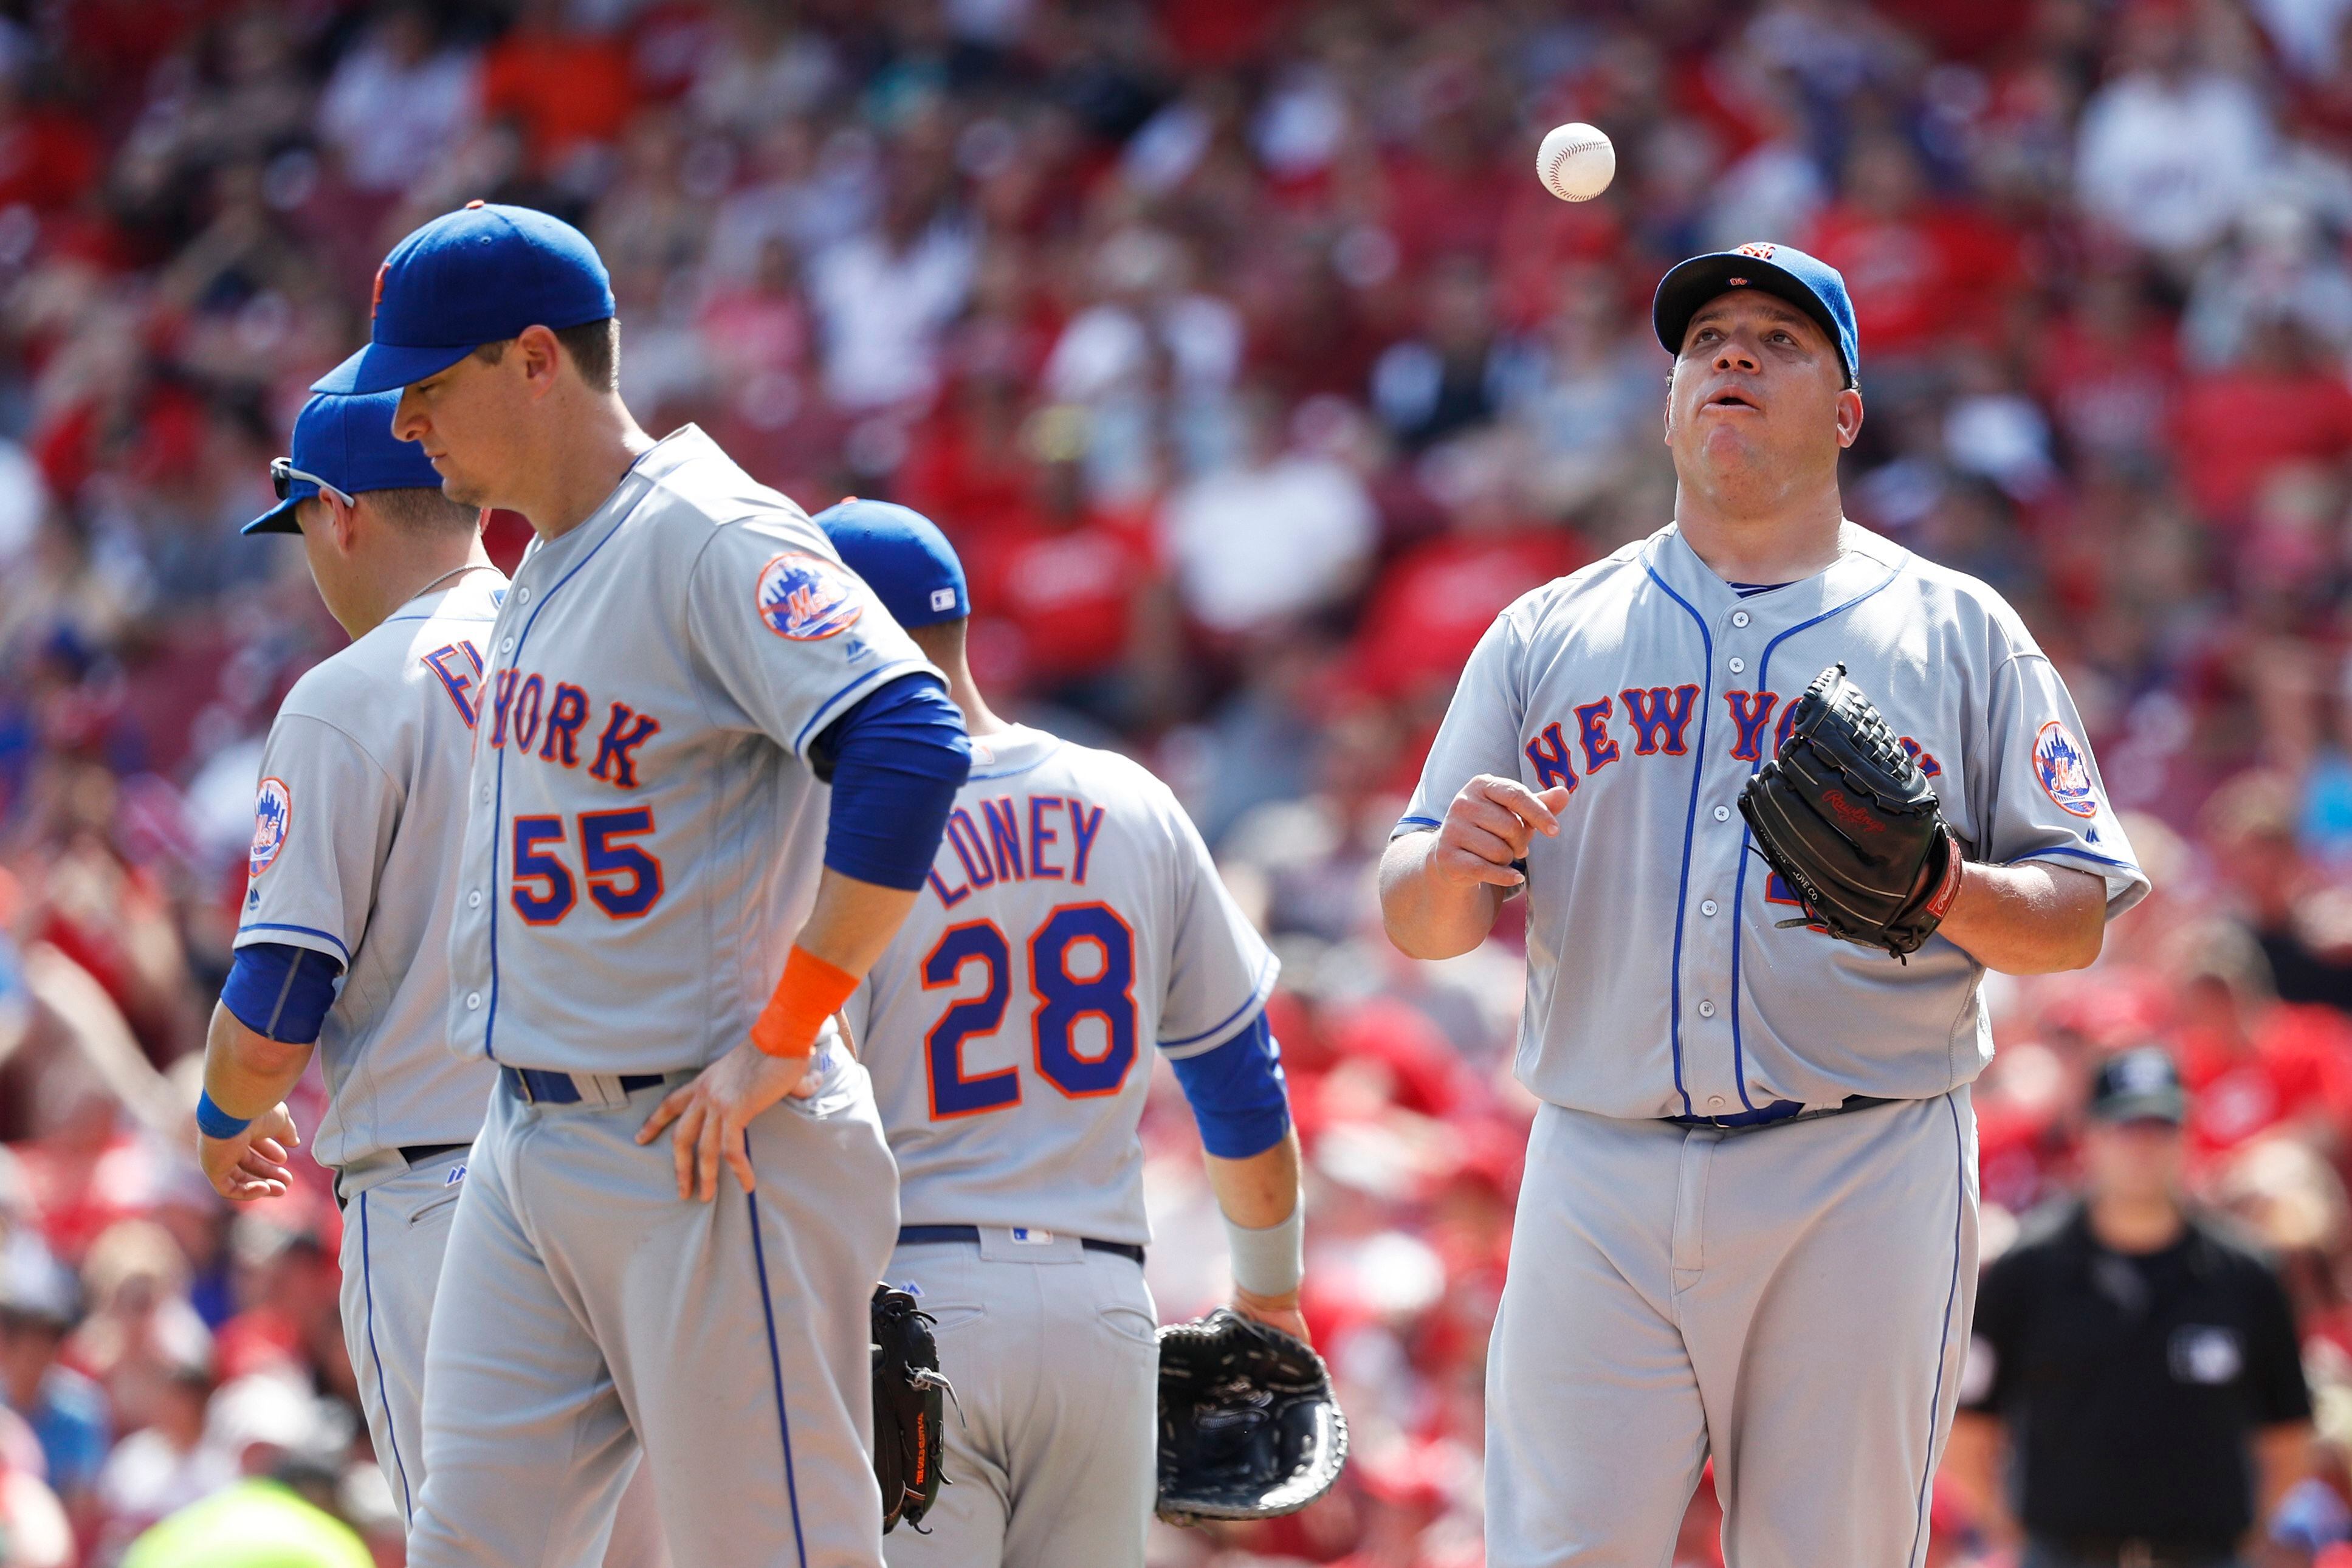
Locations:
column 894, row 760
column 1237, row 1093
column 281, row 993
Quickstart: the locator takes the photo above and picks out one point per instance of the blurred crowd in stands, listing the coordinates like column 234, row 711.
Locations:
column 1238, row 349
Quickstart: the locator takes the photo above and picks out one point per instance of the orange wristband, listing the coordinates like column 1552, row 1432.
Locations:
column 810, row 991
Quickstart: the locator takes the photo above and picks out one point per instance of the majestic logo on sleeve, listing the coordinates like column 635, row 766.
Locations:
column 806, row 598
column 2058, row 763
column 273, row 814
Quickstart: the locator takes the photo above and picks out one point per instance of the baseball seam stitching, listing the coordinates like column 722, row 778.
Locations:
column 1551, row 176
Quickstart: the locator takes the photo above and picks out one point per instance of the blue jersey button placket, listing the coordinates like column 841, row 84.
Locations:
column 1728, row 773
column 1715, row 873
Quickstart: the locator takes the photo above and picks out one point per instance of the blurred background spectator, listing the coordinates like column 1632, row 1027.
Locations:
column 2134, row 1389
column 1240, row 354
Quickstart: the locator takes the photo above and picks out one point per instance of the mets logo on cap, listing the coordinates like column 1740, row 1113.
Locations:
column 2058, row 763
column 273, row 814
column 807, row 598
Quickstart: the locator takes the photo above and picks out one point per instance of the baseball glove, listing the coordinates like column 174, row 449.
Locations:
column 1845, row 817
column 1248, row 1427
column 910, row 1400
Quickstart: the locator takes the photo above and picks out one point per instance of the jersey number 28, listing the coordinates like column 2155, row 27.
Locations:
column 1063, row 998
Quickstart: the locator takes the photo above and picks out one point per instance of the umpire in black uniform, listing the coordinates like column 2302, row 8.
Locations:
column 2136, row 1367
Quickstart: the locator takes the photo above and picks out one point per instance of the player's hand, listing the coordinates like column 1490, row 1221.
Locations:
column 714, row 1112
column 252, row 1164
column 1274, row 1311
column 1490, row 824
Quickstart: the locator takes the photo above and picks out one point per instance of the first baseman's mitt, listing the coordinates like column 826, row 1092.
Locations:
column 1248, row 1427
column 908, row 1403
column 1845, row 817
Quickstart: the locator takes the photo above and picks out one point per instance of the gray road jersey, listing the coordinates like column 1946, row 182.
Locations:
column 1659, row 981
column 644, row 836
column 362, row 802
column 1073, row 919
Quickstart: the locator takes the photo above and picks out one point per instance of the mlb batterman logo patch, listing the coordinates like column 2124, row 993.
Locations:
column 2058, row 763
column 807, row 598
column 273, row 814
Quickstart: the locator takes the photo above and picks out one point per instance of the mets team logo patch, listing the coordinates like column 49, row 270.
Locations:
column 273, row 814
column 807, row 598
column 2058, row 763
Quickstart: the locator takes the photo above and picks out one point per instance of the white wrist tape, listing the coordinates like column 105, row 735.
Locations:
column 1270, row 1262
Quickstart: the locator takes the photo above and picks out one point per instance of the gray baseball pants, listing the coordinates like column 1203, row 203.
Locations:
column 1054, row 1355
column 396, row 1230
column 1792, row 1299
column 587, row 1311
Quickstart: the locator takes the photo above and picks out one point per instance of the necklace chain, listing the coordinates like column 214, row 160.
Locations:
column 453, row 572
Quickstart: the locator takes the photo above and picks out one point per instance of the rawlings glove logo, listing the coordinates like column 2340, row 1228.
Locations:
column 1855, row 817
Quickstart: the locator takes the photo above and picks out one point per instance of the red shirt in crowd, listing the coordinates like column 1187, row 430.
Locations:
column 750, row 331
column 1428, row 610
column 1448, row 206
column 2299, row 1065
column 1062, row 598
column 2235, row 425
column 565, row 88
column 2110, row 390
column 47, row 160
column 2023, row 1155
column 1908, row 276
column 975, row 482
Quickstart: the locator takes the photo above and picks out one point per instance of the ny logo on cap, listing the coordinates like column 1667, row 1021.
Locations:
column 375, row 301
column 1757, row 248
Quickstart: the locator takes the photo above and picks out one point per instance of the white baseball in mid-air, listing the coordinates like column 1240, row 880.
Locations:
column 1576, row 162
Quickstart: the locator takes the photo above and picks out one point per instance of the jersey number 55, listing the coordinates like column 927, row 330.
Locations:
column 625, row 879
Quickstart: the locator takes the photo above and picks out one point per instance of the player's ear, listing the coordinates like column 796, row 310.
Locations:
column 541, row 356
column 1670, row 406
column 343, row 521
column 1849, row 416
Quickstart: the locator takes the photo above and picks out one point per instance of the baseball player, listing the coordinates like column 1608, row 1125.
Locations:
column 641, row 941
column 1071, row 921
column 342, row 941
column 1749, row 1224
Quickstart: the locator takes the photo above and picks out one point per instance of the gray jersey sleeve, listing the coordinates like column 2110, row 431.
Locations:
column 324, row 822
column 1481, row 732
column 786, row 636
column 2039, row 789
column 1220, row 971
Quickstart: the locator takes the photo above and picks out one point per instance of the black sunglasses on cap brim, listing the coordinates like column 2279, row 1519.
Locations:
column 283, row 473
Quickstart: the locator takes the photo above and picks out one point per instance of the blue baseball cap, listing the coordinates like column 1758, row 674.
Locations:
column 903, row 557
column 478, row 275
column 348, row 443
column 1808, row 283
